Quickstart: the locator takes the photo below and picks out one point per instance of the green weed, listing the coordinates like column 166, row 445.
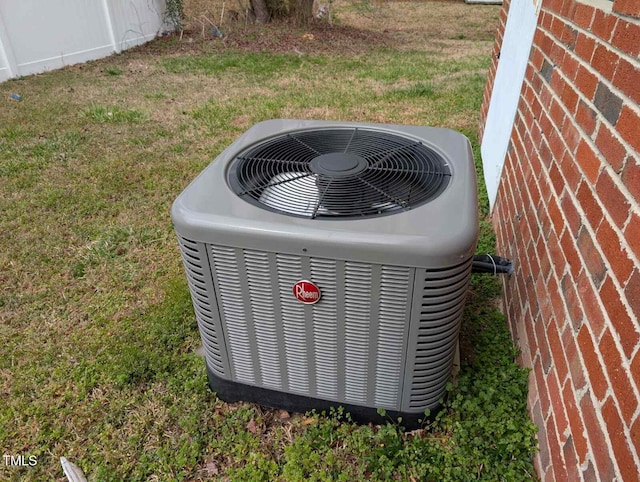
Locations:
column 113, row 114
column 113, row 71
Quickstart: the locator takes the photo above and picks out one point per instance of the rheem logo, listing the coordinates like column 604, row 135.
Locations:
column 306, row 292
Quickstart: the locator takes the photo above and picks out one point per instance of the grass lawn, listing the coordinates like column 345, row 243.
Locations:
column 98, row 354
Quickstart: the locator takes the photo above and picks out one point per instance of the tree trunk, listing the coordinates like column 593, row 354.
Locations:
column 302, row 10
column 260, row 10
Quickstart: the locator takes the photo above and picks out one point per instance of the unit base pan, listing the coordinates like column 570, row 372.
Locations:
column 229, row 391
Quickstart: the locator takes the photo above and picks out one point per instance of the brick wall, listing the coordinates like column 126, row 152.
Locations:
column 568, row 213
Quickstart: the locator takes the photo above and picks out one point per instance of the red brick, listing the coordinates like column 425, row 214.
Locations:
column 538, row 371
column 598, row 441
column 588, row 161
column 571, row 299
column 531, row 295
column 627, row 79
column 543, row 448
column 632, row 293
column 556, row 298
column 570, row 459
column 546, row 156
column 569, row 66
column 570, row 172
column 536, row 58
column 557, row 351
column 586, row 118
column 575, row 423
column 610, row 147
column 557, row 82
column 583, row 16
column 531, row 256
column 556, row 179
column 545, row 192
column 545, row 122
column 609, row 241
column 556, row 26
column 631, row 176
column 576, row 368
column 615, row 202
column 555, row 215
column 567, row 242
column 594, row 316
column 570, row 213
column 597, row 379
column 586, row 82
column 571, row 135
column 555, row 252
column 543, row 346
column 626, row 37
column 593, row 260
column 559, row 414
column 635, row 435
column 569, row 36
column 557, row 462
column 568, row 8
column 589, row 205
column 557, row 114
column 632, row 234
column 603, row 25
column 627, row 126
column 554, row 5
column 556, row 145
column 620, row 319
column 545, row 20
column 627, row 7
column 588, row 472
column 545, row 263
column 531, row 338
column 622, row 453
column 584, row 48
column 620, row 382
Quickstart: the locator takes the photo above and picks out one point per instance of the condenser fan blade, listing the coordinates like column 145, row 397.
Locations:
column 339, row 173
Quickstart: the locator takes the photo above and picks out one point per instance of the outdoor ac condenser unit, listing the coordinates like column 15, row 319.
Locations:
column 328, row 264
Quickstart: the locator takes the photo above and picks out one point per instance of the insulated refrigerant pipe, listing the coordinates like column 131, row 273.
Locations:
column 492, row 264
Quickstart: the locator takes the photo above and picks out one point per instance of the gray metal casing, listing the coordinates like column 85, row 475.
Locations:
column 393, row 287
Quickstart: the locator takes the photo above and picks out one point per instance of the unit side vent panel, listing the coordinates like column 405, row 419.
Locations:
column 357, row 331
column 198, row 279
column 349, row 347
column 262, row 296
column 325, row 329
column 230, row 293
column 393, row 314
column 440, row 314
column 293, row 324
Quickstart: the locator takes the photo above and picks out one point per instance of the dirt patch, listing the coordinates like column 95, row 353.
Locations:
column 279, row 37
column 358, row 26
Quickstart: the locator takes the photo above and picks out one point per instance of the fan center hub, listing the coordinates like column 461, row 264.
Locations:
column 338, row 164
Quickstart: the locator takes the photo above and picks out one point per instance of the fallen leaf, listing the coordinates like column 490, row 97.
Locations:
column 212, row 468
column 308, row 420
column 252, row 426
column 283, row 414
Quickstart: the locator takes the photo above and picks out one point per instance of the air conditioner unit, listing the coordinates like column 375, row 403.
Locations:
column 328, row 264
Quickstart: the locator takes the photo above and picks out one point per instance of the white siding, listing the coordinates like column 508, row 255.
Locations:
column 516, row 45
column 37, row 36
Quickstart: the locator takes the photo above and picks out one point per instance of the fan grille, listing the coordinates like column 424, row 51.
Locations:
column 339, row 173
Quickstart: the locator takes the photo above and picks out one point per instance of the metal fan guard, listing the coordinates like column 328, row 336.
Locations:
column 339, row 173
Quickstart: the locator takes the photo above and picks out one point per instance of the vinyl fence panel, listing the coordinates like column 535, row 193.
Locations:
column 36, row 35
